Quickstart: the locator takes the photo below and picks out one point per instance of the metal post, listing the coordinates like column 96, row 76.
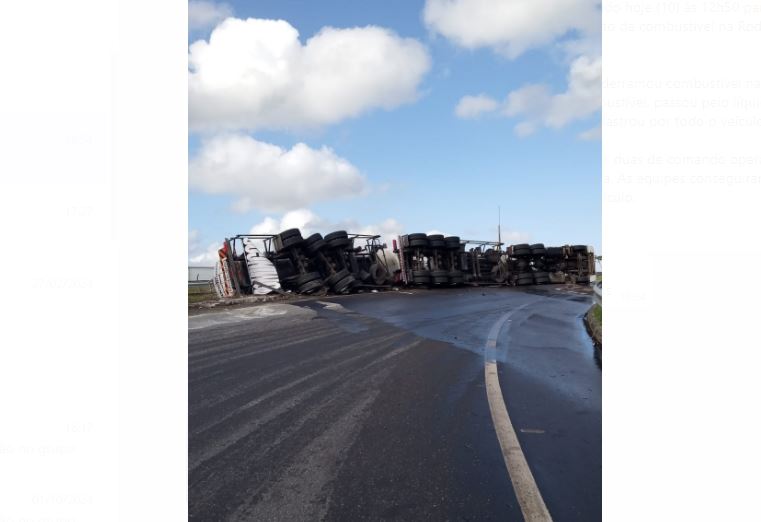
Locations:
column 231, row 267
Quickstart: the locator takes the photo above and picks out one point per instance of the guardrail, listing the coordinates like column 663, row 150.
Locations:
column 598, row 293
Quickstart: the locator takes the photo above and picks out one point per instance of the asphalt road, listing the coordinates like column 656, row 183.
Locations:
column 374, row 407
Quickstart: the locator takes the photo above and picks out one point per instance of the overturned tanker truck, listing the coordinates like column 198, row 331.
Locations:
column 342, row 263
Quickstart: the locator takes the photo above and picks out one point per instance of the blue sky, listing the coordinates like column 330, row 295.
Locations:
column 423, row 166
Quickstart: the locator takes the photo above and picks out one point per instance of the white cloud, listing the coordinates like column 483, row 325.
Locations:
column 303, row 219
column 537, row 106
column 530, row 99
column 198, row 254
column 193, row 242
column 525, row 128
column 269, row 178
column 595, row 133
column 255, row 74
column 204, row 15
column 513, row 27
column 475, row 106
column 510, row 27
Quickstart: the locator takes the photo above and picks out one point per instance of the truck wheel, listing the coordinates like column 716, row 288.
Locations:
column 338, row 234
column 289, row 233
column 456, row 277
column 421, row 277
column 290, row 281
column 314, row 243
column 308, row 288
column 344, row 284
column 340, row 243
column 330, row 281
column 308, row 277
column 439, row 277
column 378, row 274
column 452, row 242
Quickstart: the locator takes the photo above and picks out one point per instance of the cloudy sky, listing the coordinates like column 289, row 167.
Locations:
column 395, row 116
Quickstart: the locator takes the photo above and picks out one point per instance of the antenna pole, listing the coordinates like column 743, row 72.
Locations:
column 499, row 226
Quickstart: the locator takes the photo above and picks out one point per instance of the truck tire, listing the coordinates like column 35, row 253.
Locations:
column 452, row 242
column 416, row 236
column 290, row 242
column 314, row 243
column 378, row 274
column 439, row 277
column 344, row 284
column 308, row 288
column 339, row 243
column 290, row 281
column 436, row 241
column 333, row 279
column 308, row 277
column 456, row 277
column 418, row 243
column 421, row 277
column 338, row 234
column 289, row 233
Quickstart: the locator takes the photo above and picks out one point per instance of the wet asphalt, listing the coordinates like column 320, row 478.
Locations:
column 373, row 407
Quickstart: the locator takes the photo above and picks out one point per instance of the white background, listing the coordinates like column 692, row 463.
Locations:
column 93, row 376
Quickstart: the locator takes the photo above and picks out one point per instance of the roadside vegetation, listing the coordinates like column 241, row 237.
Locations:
column 594, row 324
column 198, row 294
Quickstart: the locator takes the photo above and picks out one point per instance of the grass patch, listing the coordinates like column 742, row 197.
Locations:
column 198, row 294
column 594, row 323
column 199, row 298
column 597, row 314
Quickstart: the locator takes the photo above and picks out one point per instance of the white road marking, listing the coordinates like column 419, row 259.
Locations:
column 526, row 491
